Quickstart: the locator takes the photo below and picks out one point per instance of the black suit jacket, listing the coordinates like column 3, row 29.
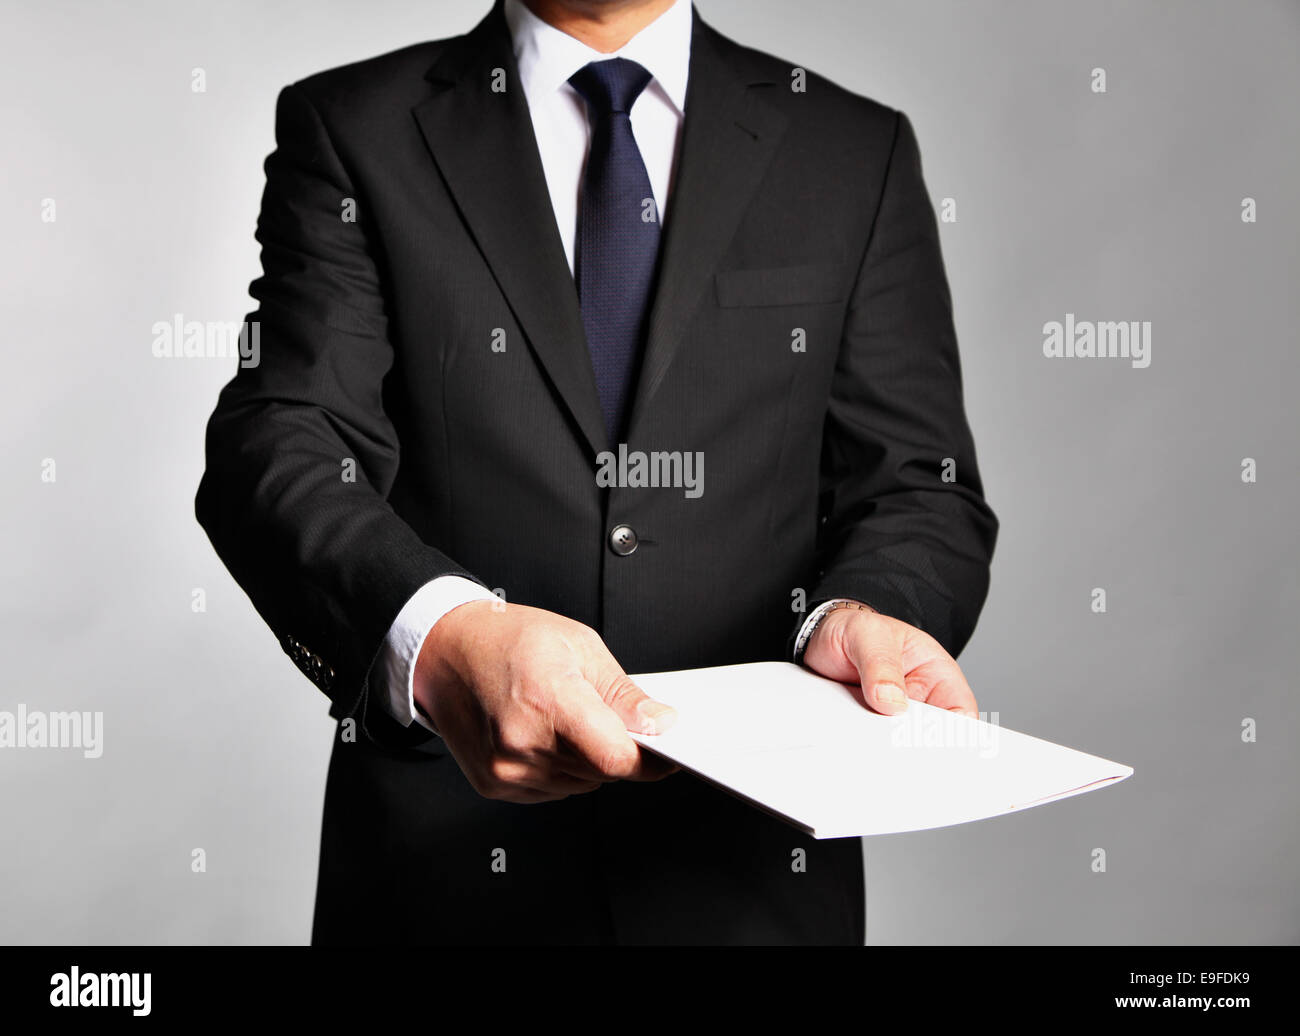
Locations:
column 801, row 338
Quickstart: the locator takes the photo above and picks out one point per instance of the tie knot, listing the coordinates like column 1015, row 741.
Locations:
column 610, row 86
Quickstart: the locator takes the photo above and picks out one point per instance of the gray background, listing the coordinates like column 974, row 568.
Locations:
column 1122, row 206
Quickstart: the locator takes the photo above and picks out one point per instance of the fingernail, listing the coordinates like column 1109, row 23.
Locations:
column 656, row 717
column 890, row 694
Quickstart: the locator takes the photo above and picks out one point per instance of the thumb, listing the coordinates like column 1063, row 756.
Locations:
column 638, row 711
column 876, row 651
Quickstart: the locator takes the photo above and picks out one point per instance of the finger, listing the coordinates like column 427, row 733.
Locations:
column 940, row 682
column 595, row 734
column 558, row 782
column 490, row 786
column 545, row 778
column 509, row 780
column 568, row 759
column 524, row 796
column 653, row 767
column 634, row 707
column 876, row 649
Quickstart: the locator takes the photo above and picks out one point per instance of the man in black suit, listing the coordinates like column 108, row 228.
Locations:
column 495, row 267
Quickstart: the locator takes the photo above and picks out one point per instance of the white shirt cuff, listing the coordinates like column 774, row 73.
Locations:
column 396, row 662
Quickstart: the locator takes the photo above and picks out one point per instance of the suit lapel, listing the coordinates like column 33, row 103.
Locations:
column 485, row 148
column 728, row 140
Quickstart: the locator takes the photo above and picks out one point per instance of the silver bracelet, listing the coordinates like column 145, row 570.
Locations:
column 815, row 619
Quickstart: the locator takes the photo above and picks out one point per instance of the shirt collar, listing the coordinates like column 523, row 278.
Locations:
column 547, row 57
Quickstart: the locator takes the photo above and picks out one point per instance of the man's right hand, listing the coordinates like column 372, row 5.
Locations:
column 532, row 705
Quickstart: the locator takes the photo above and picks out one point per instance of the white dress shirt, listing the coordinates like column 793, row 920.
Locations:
column 546, row 58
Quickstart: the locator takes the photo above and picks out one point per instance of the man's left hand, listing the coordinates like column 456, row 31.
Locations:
column 890, row 659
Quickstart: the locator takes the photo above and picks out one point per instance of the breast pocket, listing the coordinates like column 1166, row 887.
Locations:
column 810, row 284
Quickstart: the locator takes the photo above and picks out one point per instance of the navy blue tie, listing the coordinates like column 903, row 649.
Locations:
column 618, row 235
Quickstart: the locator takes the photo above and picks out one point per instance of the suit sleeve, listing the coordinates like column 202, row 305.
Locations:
column 905, row 525
column 300, row 453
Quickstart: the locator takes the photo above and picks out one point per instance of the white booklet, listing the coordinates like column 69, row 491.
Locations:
column 808, row 750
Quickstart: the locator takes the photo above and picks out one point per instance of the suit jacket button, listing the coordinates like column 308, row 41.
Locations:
column 622, row 540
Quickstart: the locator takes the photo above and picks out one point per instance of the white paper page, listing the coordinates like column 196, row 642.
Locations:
column 806, row 749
